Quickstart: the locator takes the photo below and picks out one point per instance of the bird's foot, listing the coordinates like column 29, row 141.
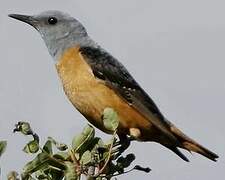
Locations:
column 120, row 146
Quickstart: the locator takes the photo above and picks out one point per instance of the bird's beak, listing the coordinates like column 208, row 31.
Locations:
column 24, row 18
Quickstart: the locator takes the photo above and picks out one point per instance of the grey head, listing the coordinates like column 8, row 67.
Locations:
column 59, row 31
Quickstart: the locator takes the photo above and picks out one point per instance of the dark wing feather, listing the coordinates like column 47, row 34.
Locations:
column 107, row 68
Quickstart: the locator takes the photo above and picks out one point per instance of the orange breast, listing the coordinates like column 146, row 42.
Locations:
column 91, row 96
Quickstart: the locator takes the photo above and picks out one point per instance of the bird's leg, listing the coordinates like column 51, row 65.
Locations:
column 123, row 142
column 120, row 146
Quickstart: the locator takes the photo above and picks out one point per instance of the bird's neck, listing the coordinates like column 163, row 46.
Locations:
column 58, row 47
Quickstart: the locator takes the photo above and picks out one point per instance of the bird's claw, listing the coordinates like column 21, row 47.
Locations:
column 120, row 146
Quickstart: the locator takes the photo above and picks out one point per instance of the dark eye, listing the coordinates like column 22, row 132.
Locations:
column 52, row 20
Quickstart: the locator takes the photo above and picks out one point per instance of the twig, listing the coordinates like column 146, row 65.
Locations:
column 61, row 163
column 108, row 158
column 74, row 159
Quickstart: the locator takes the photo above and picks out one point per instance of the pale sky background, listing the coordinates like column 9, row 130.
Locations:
column 175, row 50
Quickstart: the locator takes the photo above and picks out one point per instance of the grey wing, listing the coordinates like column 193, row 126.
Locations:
column 116, row 76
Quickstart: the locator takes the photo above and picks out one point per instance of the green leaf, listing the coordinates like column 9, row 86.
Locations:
column 59, row 146
column 40, row 175
column 23, row 127
column 81, row 141
column 110, row 119
column 97, row 148
column 39, row 162
column 61, row 155
column 86, row 158
column 56, row 174
column 42, row 162
column 49, row 173
column 95, row 144
column 70, row 172
column 48, row 147
column 31, row 147
column 3, row 145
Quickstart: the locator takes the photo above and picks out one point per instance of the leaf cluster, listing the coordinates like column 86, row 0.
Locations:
column 87, row 155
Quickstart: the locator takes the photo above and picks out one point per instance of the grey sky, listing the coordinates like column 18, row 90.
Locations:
column 175, row 49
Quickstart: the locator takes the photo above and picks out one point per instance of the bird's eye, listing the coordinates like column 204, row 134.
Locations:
column 52, row 20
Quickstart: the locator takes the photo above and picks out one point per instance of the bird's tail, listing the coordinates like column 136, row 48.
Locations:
column 190, row 145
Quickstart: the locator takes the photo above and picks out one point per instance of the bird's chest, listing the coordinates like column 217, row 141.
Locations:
column 88, row 94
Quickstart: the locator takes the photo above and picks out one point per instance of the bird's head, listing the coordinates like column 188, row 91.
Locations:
column 59, row 30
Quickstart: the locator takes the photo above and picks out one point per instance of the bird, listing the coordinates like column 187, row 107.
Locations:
column 93, row 80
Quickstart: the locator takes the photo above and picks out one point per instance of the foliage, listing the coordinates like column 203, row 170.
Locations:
column 88, row 155
column 3, row 145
